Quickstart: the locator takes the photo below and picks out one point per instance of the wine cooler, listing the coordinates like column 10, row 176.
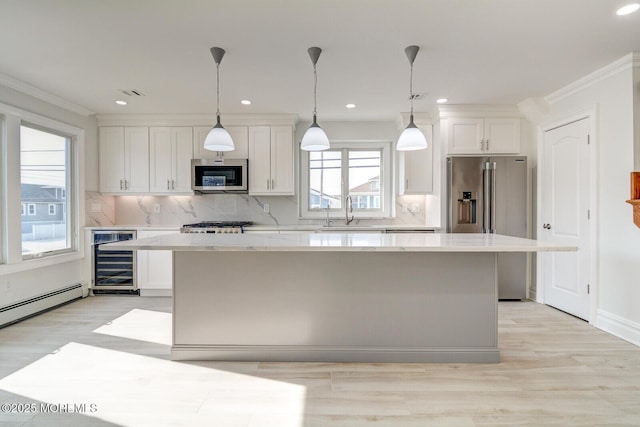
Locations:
column 114, row 271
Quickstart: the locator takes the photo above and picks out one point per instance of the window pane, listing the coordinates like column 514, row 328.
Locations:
column 325, row 179
column 44, row 180
column 364, row 179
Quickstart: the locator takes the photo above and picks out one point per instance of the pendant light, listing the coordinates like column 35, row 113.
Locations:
column 411, row 138
column 314, row 138
column 218, row 139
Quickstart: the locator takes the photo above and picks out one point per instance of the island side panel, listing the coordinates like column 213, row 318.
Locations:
column 335, row 306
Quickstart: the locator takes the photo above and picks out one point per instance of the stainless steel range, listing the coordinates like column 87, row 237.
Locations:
column 232, row 227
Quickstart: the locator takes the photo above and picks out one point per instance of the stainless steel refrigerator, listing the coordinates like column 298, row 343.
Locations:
column 489, row 195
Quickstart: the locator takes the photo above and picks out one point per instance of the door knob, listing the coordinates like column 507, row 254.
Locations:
column 547, row 226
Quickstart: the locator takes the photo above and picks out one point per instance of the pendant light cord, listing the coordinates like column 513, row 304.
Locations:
column 411, row 87
column 217, row 90
column 315, row 89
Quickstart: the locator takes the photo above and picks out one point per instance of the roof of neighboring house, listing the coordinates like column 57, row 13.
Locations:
column 366, row 187
column 37, row 193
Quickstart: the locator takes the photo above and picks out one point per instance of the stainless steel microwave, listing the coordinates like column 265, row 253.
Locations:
column 219, row 176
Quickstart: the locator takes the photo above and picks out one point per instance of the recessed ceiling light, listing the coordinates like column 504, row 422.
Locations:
column 630, row 8
column 121, row 102
column 442, row 100
column 350, row 105
column 245, row 102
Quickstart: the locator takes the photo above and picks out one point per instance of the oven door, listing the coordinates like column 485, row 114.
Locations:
column 219, row 176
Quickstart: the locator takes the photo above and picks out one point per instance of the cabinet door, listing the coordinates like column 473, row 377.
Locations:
column 111, row 159
column 136, row 159
column 502, row 135
column 416, row 168
column 182, row 138
column 259, row 160
column 465, row 135
column 161, row 159
column 239, row 134
column 282, row 174
column 154, row 268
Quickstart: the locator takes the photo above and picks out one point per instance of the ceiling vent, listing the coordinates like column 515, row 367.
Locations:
column 417, row 96
column 131, row 92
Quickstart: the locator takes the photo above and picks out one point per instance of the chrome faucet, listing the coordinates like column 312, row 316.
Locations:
column 348, row 207
column 328, row 221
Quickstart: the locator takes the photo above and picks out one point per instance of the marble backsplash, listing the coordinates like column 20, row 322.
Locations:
column 102, row 210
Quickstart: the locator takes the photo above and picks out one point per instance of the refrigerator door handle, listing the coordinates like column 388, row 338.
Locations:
column 489, row 197
column 492, row 173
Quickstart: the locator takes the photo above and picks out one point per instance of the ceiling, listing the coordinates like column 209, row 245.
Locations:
column 472, row 52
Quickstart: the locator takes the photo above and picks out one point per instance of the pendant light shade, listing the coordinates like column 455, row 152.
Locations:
column 411, row 138
column 218, row 139
column 314, row 139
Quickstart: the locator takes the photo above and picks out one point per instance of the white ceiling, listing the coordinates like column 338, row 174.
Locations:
column 472, row 52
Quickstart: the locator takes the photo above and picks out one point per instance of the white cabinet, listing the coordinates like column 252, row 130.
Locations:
column 124, row 159
column 483, row 135
column 171, row 150
column 416, row 167
column 239, row 134
column 271, row 168
column 154, row 268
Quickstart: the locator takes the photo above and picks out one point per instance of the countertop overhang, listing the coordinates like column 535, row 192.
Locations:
column 337, row 242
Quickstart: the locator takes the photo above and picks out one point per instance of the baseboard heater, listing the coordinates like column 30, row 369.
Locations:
column 18, row 311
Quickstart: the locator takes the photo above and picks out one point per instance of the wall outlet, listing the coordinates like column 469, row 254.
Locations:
column 96, row 207
column 405, row 208
column 156, row 208
column 265, row 207
column 415, row 208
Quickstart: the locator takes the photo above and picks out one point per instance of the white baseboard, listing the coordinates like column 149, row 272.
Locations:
column 156, row 292
column 20, row 310
column 618, row 326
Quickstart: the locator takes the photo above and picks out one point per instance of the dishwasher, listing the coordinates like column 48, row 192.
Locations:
column 114, row 271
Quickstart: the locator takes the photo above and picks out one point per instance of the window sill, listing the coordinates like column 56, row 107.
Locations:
column 35, row 263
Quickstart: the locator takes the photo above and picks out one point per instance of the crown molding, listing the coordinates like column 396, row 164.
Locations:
column 478, row 110
column 196, row 119
column 42, row 95
column 626, row 62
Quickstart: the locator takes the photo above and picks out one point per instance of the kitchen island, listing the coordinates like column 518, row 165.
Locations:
column 336, row 297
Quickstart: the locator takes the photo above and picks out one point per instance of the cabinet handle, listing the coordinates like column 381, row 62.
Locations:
column 406, row 184
column 267, row 184
column 126, row 184
column 173, row 185
column 487, row 143
column 121, row 187
column 168, row 186
column 273, row 184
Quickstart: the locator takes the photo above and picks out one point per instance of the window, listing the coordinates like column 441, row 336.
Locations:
column 360, row 170
column 23, row 209
column 45, row 177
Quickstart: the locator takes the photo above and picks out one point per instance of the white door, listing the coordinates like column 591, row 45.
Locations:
column 565, row 216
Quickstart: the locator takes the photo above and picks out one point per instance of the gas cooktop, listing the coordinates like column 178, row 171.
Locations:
column 216, row 227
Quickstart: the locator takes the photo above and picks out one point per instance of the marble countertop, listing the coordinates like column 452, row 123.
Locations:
column 336, row 242
column 292, row 227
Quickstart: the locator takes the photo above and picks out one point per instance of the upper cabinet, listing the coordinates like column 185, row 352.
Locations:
column 124, row 159
column 483, row 135
column 416, row 167
column 171, row 151
column 239, row 134
column 271, row 166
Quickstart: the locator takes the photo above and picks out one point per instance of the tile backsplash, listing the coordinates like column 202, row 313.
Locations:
column 177, row 210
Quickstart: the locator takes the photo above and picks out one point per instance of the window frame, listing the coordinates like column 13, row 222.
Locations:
column 11, row 258
column 72, row 243
column 386, row 178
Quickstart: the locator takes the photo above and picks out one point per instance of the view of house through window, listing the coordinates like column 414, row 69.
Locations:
column 44, row 183
column 334, row 174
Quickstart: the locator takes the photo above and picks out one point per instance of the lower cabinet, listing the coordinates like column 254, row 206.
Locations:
column 155, row 268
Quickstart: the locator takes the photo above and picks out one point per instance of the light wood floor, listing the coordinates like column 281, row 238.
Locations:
column 111, row 352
